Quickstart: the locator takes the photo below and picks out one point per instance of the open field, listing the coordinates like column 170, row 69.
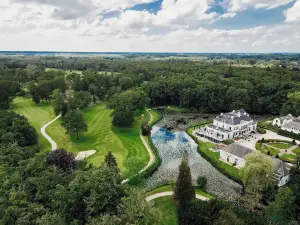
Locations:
column 101, row 135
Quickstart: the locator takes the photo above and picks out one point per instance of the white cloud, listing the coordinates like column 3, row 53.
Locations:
column 228, row 15
column 239, row 5
column 178, row 26
column 293, row 14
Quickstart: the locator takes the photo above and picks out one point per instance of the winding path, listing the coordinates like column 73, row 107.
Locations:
column 170, row 193
column 43, row 131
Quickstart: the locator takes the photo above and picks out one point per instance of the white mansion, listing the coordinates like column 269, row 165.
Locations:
column 232, row 125
column 288, row 123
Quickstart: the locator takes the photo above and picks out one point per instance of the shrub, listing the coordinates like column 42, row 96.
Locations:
column 294, row 142
column 268, row 153
column 61, row 159
column 228, row 141
column 145, row 129
column 262, row 140
column 202, row 182
column 277, row 156
column 261, row 130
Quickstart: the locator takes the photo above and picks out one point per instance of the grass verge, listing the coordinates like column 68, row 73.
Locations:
column 288, row 158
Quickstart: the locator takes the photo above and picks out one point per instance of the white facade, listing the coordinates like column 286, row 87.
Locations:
column 235, row 124
column 277, row 122
column 232, row 159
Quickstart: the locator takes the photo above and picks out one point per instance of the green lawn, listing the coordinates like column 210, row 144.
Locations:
column 288, row 157
column 296, row 150
column 273, row 151
column 281, row 145
column 168, row 210
column 156, row 116
column 171, row 187
column 101, row 135
column 268, row 126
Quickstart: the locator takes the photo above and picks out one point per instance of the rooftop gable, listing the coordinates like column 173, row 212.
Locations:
column 234, row 117
column 237, row 150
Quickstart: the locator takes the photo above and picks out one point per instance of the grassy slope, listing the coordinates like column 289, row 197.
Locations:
column 168, row 210
column 101, row 135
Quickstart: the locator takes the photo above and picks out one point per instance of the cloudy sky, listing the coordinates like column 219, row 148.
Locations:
column 150, row 25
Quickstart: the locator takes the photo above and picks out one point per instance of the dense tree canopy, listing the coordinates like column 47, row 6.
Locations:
column 255, row 176
column 15, row 128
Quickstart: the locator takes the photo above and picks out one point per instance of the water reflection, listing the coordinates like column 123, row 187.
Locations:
column 172, row 147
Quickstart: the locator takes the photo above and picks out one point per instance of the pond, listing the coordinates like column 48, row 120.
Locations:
column 172, row 146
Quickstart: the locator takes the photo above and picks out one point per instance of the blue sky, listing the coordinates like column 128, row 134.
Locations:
column 151, row 25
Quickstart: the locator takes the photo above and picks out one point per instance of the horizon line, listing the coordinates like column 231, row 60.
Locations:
column 141, row 52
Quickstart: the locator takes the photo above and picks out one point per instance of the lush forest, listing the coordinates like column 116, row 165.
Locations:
column 205, row 86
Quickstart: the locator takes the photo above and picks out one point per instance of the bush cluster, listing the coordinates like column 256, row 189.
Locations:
column 261, row 130
column 228, row 141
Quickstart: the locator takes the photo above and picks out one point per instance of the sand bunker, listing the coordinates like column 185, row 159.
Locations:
column 84, row 154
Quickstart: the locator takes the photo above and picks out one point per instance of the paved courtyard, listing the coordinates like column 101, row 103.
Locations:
column 251, row 141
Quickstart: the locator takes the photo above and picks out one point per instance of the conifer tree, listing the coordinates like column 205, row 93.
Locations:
column 111, row 161
column 184, row 191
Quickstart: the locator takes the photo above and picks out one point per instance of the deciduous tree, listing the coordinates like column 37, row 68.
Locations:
column 61, row 159
column 74, row 123
column 255, row 176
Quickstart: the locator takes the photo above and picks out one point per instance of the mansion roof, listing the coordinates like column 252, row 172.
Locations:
column 234, row 117
column 293, row 124
column 288, row 117
column 281, row 167
column 237, row 150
